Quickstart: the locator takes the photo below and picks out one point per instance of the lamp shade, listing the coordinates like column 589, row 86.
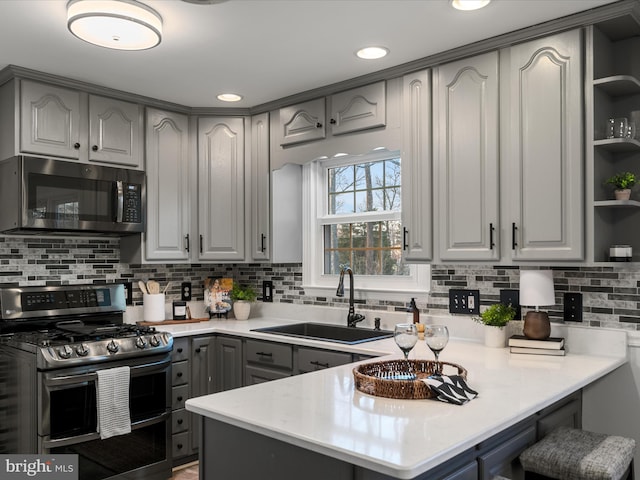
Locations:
column 117, row 24
column 536, row 288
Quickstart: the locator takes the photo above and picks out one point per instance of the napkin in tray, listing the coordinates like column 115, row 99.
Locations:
column 113, row 402
column 450, row 388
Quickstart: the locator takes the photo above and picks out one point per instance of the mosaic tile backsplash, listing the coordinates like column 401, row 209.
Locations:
column 610, row 294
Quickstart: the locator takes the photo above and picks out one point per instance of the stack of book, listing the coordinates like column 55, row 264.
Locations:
column 524, row 345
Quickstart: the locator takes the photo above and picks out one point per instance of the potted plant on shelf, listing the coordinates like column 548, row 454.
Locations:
column 242, row 296
column 623, row 182
column 495, row 319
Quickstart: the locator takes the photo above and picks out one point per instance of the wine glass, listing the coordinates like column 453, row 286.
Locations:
column 437, row 337
column 406, row 337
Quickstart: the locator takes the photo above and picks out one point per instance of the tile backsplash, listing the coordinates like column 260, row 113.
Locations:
column 610, row 293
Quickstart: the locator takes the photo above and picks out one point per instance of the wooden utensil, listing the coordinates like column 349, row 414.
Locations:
column 143, row 287
column 153, row 287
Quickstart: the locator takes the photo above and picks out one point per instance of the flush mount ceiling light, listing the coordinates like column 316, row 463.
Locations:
column 229, row 97
column 117, row 24
column 469, row 4
column 372, row 53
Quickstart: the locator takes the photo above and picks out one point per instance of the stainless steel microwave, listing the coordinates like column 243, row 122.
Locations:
column 47, row 196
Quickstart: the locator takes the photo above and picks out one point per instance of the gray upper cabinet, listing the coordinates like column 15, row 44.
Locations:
column 542, row 154
column 49, row 120
column 302, row 122
column 167, row 139
column 54, row 122
column 466, row 132
column 115, row 132
column 358, row 109
column 260, row 191
column 221, row 195
column 350, row 111
column 416, row 168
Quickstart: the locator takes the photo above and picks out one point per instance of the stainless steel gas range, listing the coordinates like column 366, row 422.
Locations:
column 67, row 365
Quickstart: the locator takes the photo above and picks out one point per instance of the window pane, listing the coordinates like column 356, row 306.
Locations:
column 341, row 179
column 369, row 248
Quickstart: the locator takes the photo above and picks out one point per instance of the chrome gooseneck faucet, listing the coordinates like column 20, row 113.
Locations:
column 352, row 317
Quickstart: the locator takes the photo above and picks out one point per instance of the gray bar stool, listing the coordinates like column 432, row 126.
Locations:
column 572, row 454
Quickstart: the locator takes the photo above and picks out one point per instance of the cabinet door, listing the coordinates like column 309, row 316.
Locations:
column 221, row 188
column 202, row 379
column 260, row 188
column 49, row 120
column 358, row 109
column 115, row 132
column 167, row 235
column 543, row 134
column 503, row 460
column 466, row 158
column 302, row 122
column 416, row 168
column 228, row 363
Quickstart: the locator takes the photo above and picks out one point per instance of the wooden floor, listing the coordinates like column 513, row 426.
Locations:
column 186, row 472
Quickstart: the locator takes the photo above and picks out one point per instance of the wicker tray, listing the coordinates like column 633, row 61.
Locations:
column 384, row 379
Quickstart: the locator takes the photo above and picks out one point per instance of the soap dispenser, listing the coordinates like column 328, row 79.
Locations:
column 413, row 314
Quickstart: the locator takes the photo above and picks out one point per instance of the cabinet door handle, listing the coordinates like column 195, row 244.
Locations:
column 180, row 421
column 94, row 148
column 405, row 233
column 201, row 243
column 265, row 354
column 186, row 238
column 179, row 399
column 179, row 350
column 197, row 350
column 179, row 374
column 333, row 121
column 491, row 229
column 319, row 364
column 318, row 125
column 76, row 146
column 180, row 446
column 262, row 239
column 514, row 229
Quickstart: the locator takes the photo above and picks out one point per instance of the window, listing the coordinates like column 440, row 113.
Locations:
column 354, row 218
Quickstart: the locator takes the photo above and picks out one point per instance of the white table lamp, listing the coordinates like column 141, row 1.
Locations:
column 536, row 290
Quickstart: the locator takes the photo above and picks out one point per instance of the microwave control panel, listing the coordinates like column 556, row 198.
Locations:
column 132, row 212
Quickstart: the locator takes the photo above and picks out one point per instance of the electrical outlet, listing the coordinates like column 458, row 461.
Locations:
column 464, row 301
column 572, row 307
column 512, row 297
column 267, row 291
column 128, row 292
column 185, row 291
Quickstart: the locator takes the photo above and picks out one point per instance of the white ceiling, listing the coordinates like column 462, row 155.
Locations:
column 261, row 49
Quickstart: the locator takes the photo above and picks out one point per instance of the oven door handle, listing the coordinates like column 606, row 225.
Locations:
column 87, row 437
column 85, row 378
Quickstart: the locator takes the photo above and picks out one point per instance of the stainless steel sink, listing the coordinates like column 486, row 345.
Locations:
column 328, row 333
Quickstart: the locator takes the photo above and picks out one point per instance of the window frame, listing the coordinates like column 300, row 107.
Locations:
column 315, row 217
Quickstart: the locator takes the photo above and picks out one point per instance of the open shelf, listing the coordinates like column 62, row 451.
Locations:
column 618, row 85
column 617, row 203
column 618, row 144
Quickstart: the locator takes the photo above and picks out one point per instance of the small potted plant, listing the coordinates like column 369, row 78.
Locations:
column 495, row 318
column 623, row 182
column 242, row 296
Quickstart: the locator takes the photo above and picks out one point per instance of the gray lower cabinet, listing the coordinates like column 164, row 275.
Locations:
column 312, row 359
column 274, row 459
column 266, row 361
column 228, row 355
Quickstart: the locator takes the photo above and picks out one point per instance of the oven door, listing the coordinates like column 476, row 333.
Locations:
column 68, row 420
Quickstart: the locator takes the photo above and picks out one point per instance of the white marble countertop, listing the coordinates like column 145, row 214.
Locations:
column 323, row 412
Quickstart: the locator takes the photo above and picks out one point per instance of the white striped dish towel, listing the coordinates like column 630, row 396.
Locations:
column 113, row 402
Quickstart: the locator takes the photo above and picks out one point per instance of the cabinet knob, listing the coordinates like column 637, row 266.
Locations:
column 333, row 121
column 180, row 445
column 94, row 148
column 180, row 421
column 197, row 350
column 318, row 125
column 180, row 350
column 179, row 374
column 179, row 399
column 76, row 146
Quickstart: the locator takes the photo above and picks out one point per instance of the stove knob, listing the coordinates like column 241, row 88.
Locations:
column 112, row 346
column 141, row 342
column 82, row 350
column 154, row 341
column 65, row 352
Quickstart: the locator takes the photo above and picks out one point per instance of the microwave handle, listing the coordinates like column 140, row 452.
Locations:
column 119, row 201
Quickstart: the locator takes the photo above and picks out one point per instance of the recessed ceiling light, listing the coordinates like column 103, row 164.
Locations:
column 469, row 4
column 117, row 24
column 372, row 53
column 229, row 97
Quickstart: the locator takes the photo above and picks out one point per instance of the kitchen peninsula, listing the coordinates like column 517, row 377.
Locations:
column 320, row 424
